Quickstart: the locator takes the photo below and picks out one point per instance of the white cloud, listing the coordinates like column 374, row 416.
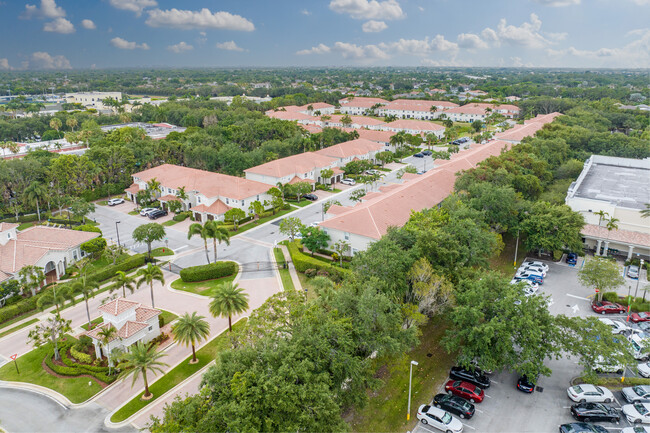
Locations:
column 421, row 8
column 368, row 9
column 557, row 37
column 203, row 19
column 4, row 65
column 558, row 3
column 48, row 9
column 471, row 41
column 123, row 44
column 373, row 26
column 526, row 35
column 490, row 35
column 88, row 25
column 180, row 47
column 42, row 60
column 359, row 52
column 136, row 6
column 59, row 25
column 440, row 62
column 229, row 46
column 305, row 12
column 319, row 49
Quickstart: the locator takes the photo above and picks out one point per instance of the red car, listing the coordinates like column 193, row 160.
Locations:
column 465, row 390
column 606, row 307
column 640, row 317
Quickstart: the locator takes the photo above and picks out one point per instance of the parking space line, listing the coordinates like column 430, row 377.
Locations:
column 469, row 426
column 424, row 426
column 494, row 381
column 478, row 410
column 487, row 396
column 577, row 297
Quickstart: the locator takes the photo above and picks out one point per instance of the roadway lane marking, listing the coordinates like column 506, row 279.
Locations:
column 494, row 381
column 424, row 426
column 180, row 248
column 487, row 396
column 575, row 308
column 577, row 297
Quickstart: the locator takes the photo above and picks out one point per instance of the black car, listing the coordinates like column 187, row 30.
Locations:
column 475, row 377
column 427, row 152
column 582, row 427
column 572, row 258
column 526, row 385
column 155, row 214
column 454, row 404
column 419, row 155
column 310, row 197
column 595, row 412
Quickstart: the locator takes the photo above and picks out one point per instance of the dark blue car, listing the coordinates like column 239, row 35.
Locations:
column 572, row 258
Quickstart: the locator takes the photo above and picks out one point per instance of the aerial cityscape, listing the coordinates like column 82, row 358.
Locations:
column 334, row 216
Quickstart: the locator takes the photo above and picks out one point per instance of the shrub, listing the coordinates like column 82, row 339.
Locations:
column 84, row 343
column 302, row 262
column 159, row 339
column 110, row 271
column 208, row 272
column 557, row 255
column 88, row 228
column 80, row 356
column 161, row 321
column 310, row 272
column 322, row 187
column 181, row 216
column 323, row 273
column 24, row 306
column 612, row 297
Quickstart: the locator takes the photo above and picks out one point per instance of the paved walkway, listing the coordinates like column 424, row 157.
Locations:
column 292, row 268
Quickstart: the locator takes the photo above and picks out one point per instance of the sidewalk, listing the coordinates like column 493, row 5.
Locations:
column 292, row 268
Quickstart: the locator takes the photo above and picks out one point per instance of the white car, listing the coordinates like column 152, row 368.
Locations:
column 314, row 224
column 535, row 269
column 590, row 393
column 347, row 181
column 542, row 265
column 636, row 429
column 371, row 172
column 640, row 346
column 440, row 419
column 600, row 366
column 114, row 201
column 644, row 369
column 145, row 211
column 637, row 412
column 618, row 327
column 530, row 288
column 636, row 394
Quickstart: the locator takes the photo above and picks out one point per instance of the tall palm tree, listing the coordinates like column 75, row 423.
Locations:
column 34, row 194
column 148, row 275
column 106, row 335
column 601, row 216
column 139, row 360
column 190, row 330
column 182, row 195
column 204, row 232
column 154, row 186
column 125, row 281
column 218, row 234
column 87, row 288
column 227, row 300
column 71, row 122
column 56, row 296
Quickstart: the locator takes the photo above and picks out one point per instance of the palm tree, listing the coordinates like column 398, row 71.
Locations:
column 204, row 232
column 218, row 234
column 125, row 281
column 182, row 195
column 190, row 330
column 154, row 186
column 148, row 275
column 601, row 215
column 34, row 193
column 56, row 124
column 227, row 300
column 645, row 213
column 139, row 360
column 56, row 296
column 106, row 335
column 87, row 288
column 71, row 122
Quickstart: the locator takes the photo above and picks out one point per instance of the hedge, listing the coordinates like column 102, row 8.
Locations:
column 302, row 262
column 110, row 270
column 88, row 228
column 208, row 272
column 24, row 218
column 181, row 216
column 74, row 369
column 24, row 306
column 80, row 356
column 637, row 304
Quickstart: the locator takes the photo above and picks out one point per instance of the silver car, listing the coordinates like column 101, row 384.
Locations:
column 639, row 393
column 147, row 210
column 633, row 272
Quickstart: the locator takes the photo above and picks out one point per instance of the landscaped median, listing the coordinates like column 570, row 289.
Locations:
column 285, row 275
column 204, row 279
column 178, row 374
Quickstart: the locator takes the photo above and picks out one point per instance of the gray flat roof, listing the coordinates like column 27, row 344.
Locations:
column 625, row 186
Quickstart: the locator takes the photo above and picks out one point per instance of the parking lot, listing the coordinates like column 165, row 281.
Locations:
column 505, row 408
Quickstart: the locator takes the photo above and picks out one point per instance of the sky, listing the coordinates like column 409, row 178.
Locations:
column 81, row 34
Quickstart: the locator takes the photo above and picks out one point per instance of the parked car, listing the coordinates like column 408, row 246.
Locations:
column 475, row 377
column 600, row 366
column 373, row 171
column 156, row 214
column 530, row 288
column 347, row 181
column 595, row 412
column 638, row 327
column 439, row 419
column 606, row 307
column 427, row 152
column 536, row 269
column 314, row 224
column 534, row 277
column 590, row 393
column 536, row 263
column 454, row 404
column 582, row 427
column 421, row 172
column 639, row 393
column 637, row 412
column 640, row 317
column 639, row 346
column 310, row 197
column 572, row 258
column 145, row 211
column 636, row 429
column 526, row 385
column 617, row 326
column 419, row 155
column 633, row 272
column 643, row 369
column 465, row 390
column 115, row 201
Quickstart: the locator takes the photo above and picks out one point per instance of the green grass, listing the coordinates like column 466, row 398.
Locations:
column 24, row 226
column 285, row 276
column 182, row 371
column 76, row 389
column 169, row 223
column 161, row 251
column 204, row 288
column 504, row 261
column 336, row 190
column 102, row 202
column 302, row 203
column 134, row 212
column 16, row 328
column 96, row 321
column 168, row 316
column 253, row 224
column 386, row 409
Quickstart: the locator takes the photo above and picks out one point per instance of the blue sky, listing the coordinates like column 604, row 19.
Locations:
column 62, row 34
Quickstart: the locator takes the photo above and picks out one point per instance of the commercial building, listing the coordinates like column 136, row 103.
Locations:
column 157, row 131
column 92, row 99
column 611, row 188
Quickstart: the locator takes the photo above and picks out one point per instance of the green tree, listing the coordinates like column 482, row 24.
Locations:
column 291, row 226
column 256, row 208
column 314, row 238
column 346, row 121
column 551, row 227
column 384, row 157
column 328, row 204
column 341, row 247
column 182, row 195
column 189, row 330
column 140, row 359
column 72, row 174
column 56, row 124
column 645, row 213
column 203, row 231
column 498, row 204
column 357, row 195
column 80, row 208
column 227, row 300
column 174, row 206
column 107, row 334
column 87, row 288
column 95, row 247
column 326, row 175
column 477, row 125
column 277, row 199
column 31, row 277
column 121, row 279
column 235, row 215
column 601, row 274
column 71, row 123
column 56, row 295
column 148, row 275
column 430, row 291
column 34, row 194
column 149, row 233
column 50, row 331
column 218, row 234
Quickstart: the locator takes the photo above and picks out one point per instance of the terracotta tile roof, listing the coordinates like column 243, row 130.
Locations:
column 205, row 182
column 360, row 146
column 290, row 115
column 142, row 314
column 316, row 106
column 378, row 136
column 130, row 328
column 312, row 129
column 417, row 105
column 168, row 197
column 300, row 163
column 7, row 226
column 94, row 333
column 409, row 176
column 519, row 132
column 297, row 179
column 337, row 170
column 416, row 125
column 118, row 306
column 623, row 236
column 544, row 118
column 468, row 109
column 336, row 209
column 133, row 189
column 216, row 208
column 361, row 102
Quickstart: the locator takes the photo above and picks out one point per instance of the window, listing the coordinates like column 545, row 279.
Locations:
column 150, row 328
column 227, row 200
column 198, row 199
column 243, row 202
column 74, row 255
column 258, row 198
column 347, row 236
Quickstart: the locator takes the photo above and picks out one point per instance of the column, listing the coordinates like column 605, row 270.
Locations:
column 606, row 247
column 630, row 251
column 598, row 247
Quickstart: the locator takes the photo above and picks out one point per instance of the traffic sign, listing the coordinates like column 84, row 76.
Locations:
column 14, row 356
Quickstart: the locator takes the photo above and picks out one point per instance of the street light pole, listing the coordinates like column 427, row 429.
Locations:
column 408, row 410
column 516, row 249
column 117, row 230
column 638, row 278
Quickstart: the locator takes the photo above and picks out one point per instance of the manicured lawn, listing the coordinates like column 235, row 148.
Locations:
column 386, row 409
column 169, row 223
column 96, row 321
column 285, row 276
column 182, row 371
column 161, row 251
column 253, row 224
column 102, row 203
column 16, row 328
column 16, row 319
column 504, row 261
column 24, row 226
column 301, row 203
column 76, row 389
column 205, row 288
column 336, row 190
column 134, row 212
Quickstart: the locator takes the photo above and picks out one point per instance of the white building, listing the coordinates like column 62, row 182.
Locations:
column 358, row 106
column 92, row 99
column 414, row 127
column 415, row 109
column 303, row 167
